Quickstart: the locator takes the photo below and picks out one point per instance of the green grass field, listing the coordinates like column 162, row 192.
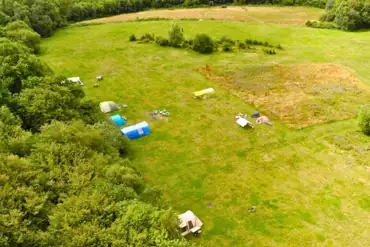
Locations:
column 310, row 185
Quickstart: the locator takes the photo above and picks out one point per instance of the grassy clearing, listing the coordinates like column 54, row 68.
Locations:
column 309, row 185
column 252, row 14
column 312, row 93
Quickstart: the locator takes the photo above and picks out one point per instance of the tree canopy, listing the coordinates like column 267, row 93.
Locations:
column 65, row 174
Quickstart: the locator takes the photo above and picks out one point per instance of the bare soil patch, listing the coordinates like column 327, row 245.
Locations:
column 273, row 15
column 299, row 95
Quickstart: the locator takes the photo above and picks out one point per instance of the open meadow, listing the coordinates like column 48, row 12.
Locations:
column 308, row 175
column 251, row 14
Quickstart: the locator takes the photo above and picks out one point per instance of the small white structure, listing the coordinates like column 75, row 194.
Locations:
column 243, row 122
column 189, row 223
column 76, row 80
column 108, row 106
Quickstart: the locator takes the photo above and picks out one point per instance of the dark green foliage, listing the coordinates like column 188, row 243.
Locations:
column 279, row 47
column 322, row 24
column 349, row 15
column 269, row 51
column 175, row 36
column 41, row 100
column 21, row 32
column 203, row 43
column 43, row 16
column 132, row 38
column 75, row 187
column 17, row 64
column 257, row 43
column 159, row 40
column 242, row 46
column 226, row 43
column 364, row 119
column 147, row 38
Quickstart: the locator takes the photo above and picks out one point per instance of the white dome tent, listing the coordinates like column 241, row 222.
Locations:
column 189, row 223
column 108, row 106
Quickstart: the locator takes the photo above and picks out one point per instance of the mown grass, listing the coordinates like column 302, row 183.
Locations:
column 305, row 191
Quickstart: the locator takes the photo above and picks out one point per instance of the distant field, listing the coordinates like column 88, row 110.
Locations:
column 310, row 186
column 271, row 15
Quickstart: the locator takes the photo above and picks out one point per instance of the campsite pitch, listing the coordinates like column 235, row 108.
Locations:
column 299, row 95
column 309, row 186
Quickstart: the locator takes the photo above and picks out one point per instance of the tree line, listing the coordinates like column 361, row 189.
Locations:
column 65, row 173
column 348, row 15
column 46, row 16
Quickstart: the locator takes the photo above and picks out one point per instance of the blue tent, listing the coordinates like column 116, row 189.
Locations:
column 118, row 120
column 136, row 131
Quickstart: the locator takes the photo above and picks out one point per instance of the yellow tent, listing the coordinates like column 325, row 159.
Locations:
column 203, row 92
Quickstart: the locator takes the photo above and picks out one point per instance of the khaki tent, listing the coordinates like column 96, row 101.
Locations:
column 108, row 106
column 189, row 223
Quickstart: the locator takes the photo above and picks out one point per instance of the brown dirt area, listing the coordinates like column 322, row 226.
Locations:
column 299, row 95
column 272, row 15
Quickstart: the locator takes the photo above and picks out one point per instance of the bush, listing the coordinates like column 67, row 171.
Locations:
column 225, row 39
column 159, row 40
column 187, row 44
column 328, row 16
column 279, row 47
column 226, row 43
column 242, row 46
column 147, row 38
column 203, row 44
column 364, row 119
column 175, row 36
column 322, row 24
column 132, row 38
column 226, row 47
column 258, row 43
column 269, row 51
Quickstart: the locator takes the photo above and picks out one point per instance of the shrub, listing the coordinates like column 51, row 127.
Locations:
column 258, row 43
column 132, row 38
column 203, row 44
column 159, row 40
column 226, row 43
column 226, row 47
column 147, row 38
column 279, row 47
column 187, row 44
column 328, row 16
column 269, row 51
column 175, row 36
column 364, row 119
column 225, row 39
column 242, row 46
column 322, row 24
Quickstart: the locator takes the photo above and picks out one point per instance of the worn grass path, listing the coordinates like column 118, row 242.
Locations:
column 310, row 186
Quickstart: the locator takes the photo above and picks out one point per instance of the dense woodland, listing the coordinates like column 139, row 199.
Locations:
column 65, row 173
column 348, row 14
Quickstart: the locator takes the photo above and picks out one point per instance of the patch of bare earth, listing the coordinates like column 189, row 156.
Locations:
column 299, row 95
column 273, row 15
